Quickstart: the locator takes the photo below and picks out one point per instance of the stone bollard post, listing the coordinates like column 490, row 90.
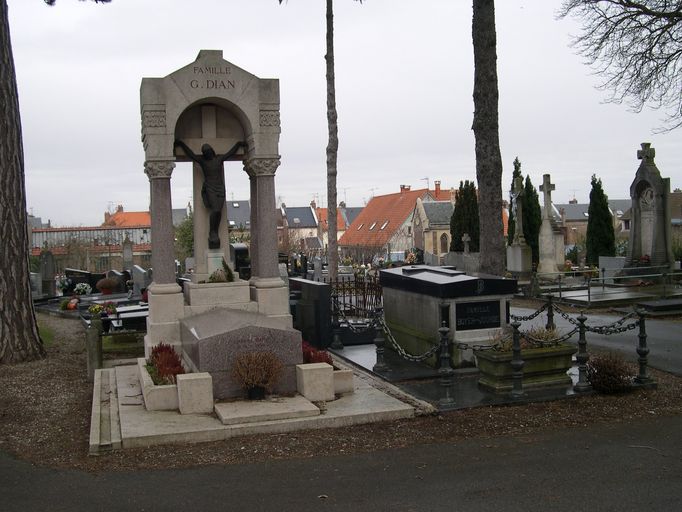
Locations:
column 517, row 362
column 643, row 379
column 379, row 342
column 93, row 345
column 445, row 371
column 582, row 357
column 550, row 314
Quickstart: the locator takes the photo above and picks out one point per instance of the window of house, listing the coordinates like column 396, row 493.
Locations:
column 383, row 226
column 360, row 226
column 372, row 226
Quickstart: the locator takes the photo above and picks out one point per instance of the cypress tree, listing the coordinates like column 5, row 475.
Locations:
column 601, row 240
column 532, row 219
column 511, row 223
column 465, row 218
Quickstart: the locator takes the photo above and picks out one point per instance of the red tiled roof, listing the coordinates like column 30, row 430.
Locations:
column 128, row 219
column 389, row 211
column 322, row 219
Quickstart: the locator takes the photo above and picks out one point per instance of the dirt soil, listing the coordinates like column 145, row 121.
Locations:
column 45, row 414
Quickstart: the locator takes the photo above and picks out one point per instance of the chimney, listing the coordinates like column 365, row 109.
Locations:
column 437, row 185
column 119, row 208
column 107, row 216
column 573, row 201
column 313, row 205
column 404, row 188
column 562, row 211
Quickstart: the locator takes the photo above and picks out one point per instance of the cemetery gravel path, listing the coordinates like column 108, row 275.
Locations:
column 44, row 427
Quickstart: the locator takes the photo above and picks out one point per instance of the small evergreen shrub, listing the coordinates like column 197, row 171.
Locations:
column 609, row 374
column 257, row 369
column 64, row 304
column 164, row 364
column 312, row 355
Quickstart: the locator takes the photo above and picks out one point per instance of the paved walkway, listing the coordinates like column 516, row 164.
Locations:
column 625, row 467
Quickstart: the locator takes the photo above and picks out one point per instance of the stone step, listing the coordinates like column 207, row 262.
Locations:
column 105, row 429
column 275, row 408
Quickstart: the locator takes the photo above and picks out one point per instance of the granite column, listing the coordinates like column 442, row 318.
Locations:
column 163, row 260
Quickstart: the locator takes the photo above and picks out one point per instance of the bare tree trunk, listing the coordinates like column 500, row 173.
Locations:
column 332, row 150
column 486, row 132
column 19, row 339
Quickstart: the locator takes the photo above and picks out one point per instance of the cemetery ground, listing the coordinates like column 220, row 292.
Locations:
column 45, row 414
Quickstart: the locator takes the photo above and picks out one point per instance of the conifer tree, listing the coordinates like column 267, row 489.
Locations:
column 601, row 239
column 532, row 219
column 465, row 218
column 511, row 224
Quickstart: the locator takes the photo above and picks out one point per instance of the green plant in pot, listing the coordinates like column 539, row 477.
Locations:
column 545, row 361
column 257, row 372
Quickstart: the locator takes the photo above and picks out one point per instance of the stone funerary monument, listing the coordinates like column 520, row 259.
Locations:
column 208, row 112
column 650, row 232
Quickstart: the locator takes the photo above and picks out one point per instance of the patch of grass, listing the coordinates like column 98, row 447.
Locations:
column 46, row 334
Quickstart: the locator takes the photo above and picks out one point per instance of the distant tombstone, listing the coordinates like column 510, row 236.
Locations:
column 283, row 273
column 189, row 264
column 465, row 240
column 317, row 269
column 651, row 230
column 141, row 279
column 36, row 285
column 127, row 253
column 120, row 280
column 547, row 264
column 519, row 254
column 47, row 273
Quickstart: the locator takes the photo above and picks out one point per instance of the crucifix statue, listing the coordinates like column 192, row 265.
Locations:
column 517, row 209
column 213, row 189
column 546, row 188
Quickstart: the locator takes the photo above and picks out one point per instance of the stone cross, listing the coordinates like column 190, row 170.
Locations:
column 546, row 188
column 466, row 239
column 647, row 153
column 517, row 209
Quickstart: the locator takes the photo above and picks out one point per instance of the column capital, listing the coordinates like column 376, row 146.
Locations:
column 157, row 169
column 261, row 166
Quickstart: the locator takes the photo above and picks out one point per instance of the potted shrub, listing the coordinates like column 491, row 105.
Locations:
column 257, row 373
column 545, row 362
column 107, row 285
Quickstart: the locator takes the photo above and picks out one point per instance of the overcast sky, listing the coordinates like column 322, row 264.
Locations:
column 404, row 75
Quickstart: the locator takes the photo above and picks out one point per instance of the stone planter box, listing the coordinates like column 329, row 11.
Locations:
column 156, row 398
column 193, row 394
column 543, row 368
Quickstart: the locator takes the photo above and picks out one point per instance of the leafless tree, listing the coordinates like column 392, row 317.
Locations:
column 636, row 47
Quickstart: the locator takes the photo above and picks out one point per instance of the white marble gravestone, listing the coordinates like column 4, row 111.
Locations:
column 519, row 254
column 547, row 264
